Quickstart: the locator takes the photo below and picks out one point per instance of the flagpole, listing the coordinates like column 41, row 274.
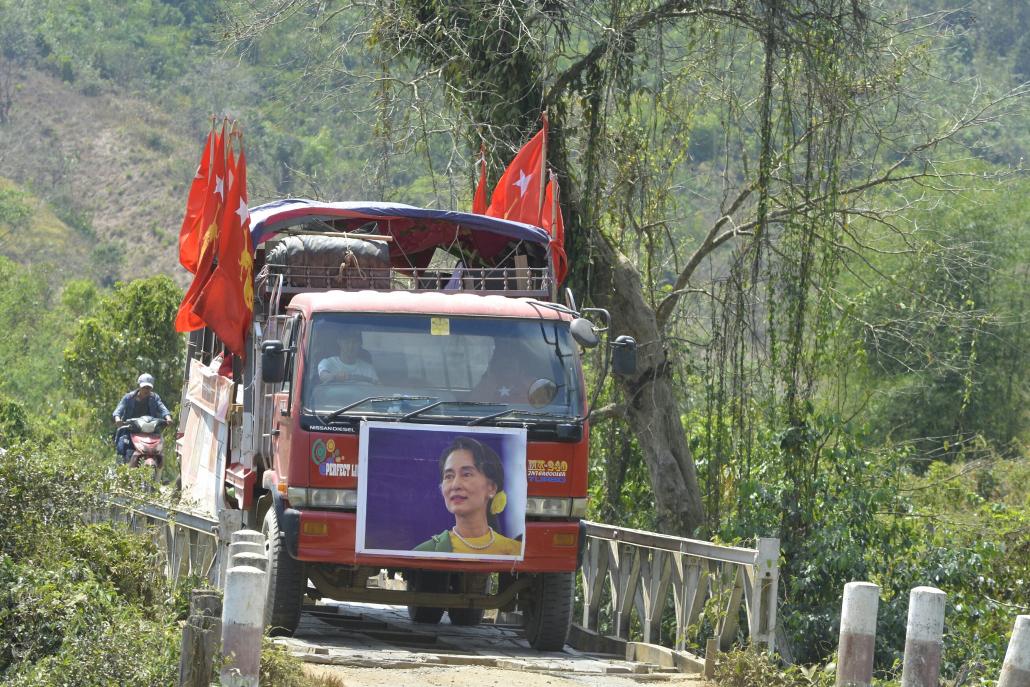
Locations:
column 554, row 202
column 543, row 170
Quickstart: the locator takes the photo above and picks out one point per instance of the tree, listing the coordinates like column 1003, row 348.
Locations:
column 820, row 104
column 130, row 332
column 14, row 425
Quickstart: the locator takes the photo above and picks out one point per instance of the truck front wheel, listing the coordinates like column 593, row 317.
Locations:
column 547, row 610
column 425, row 581
column 287, row 580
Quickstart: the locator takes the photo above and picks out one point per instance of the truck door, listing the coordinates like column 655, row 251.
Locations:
column 283, row 422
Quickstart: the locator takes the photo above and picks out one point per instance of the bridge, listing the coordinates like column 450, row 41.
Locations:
column 649, row 601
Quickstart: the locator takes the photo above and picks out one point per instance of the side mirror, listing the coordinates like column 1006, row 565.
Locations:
column 542, row 392
column 273, row 362
column 583, row 332
column 624, row 355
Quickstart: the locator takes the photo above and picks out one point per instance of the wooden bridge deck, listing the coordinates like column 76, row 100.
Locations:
column 378, row 645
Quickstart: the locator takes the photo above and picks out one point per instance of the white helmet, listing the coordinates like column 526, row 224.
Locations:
column 146, row 380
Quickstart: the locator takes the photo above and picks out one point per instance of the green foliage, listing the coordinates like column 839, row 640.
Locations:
column 79, row 297
column 979, row 554
column 124, row 647
column 80, row 603
column 944, row 332
column 14, row 211
column 43, row 490
column 130, row 332
column 748, row 668
column 14, row 425
column 34, row 328
column 280, row 669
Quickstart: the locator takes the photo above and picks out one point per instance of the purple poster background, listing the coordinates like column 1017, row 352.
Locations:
column 403, row 503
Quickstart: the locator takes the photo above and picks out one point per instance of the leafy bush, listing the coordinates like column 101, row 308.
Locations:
column 279, row 669
column 130, row 331
column 14, row 425
column 746, row 668
column 81, row 603
column 14, row 210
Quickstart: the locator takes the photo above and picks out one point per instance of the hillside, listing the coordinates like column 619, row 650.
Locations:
column 113, row 168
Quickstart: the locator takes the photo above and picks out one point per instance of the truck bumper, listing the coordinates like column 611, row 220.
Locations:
column 329, row 536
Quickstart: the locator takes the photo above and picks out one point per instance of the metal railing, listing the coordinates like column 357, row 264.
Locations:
column 188, row 543
column 506, row 281
column 643, row 569
column 643, row 572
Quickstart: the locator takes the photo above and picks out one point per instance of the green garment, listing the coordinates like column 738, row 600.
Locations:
column 440, row 543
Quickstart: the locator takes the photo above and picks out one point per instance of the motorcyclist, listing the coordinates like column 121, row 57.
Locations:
column 137, row 403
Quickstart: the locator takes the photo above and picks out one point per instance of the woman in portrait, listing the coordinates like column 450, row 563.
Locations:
column 472, row 486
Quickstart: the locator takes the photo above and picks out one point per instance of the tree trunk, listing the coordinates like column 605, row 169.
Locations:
column 653, row 409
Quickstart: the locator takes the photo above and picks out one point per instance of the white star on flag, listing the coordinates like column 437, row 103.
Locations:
column 243, row 211
column 504, row 391
column 523, row 182
column 219, row 187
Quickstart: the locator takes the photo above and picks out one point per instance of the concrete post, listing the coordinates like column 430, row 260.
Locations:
column 857, row 634
column 711, row 652
column 1015, row 671
column 200, row 637
column 248, row 535
column 923, row 637
column 245, row 547
column 254, row 560
column 243, row 615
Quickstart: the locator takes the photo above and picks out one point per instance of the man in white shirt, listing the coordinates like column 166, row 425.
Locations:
column 348, row 366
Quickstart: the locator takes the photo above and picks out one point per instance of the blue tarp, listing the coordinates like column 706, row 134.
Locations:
column 269, row 219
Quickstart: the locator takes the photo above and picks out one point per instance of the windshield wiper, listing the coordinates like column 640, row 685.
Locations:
column 371, row 399
column 512, row 411
column 415, row 413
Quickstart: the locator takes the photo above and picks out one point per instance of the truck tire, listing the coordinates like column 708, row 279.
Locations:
column 286, row 581
column 467, row 617
column 547, row 610
column 428, row 582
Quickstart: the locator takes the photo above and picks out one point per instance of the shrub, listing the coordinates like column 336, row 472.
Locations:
column 81, row 602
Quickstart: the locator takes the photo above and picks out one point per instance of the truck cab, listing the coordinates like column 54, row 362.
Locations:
column 409, row 425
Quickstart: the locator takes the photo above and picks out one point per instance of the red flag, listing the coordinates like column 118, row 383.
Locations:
column 226, row 302
column 192, row 231
column 479, row 205
column 189, row 232
column 551, row 220
column 186, row 320
column 519, row 191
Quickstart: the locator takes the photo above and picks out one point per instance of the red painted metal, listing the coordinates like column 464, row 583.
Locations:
column 337, row 546
column 242, row 479
column 429, row 303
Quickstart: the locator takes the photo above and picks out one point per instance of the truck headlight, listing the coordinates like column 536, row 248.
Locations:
column 302, row 497
column 548, row 508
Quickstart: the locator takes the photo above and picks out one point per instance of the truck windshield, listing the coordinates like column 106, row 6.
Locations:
column 440, row 367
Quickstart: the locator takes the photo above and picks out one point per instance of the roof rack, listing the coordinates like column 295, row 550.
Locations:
column 531, row 282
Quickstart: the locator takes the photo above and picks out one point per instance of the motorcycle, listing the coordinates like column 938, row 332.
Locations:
column 146, row 443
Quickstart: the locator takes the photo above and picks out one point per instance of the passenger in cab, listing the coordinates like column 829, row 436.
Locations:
column 509, row 374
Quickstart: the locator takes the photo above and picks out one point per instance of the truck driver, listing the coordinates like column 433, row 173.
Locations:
column 350, row 365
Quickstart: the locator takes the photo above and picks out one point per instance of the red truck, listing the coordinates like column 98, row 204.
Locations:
column 409, row 426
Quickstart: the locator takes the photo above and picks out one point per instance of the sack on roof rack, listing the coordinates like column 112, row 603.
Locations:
column 333, row 262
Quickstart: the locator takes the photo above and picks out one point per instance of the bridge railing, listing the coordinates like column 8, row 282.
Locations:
column 189, row 544
column 642, row 570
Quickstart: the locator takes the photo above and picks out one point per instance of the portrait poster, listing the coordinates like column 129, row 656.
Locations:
column 442, row 491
